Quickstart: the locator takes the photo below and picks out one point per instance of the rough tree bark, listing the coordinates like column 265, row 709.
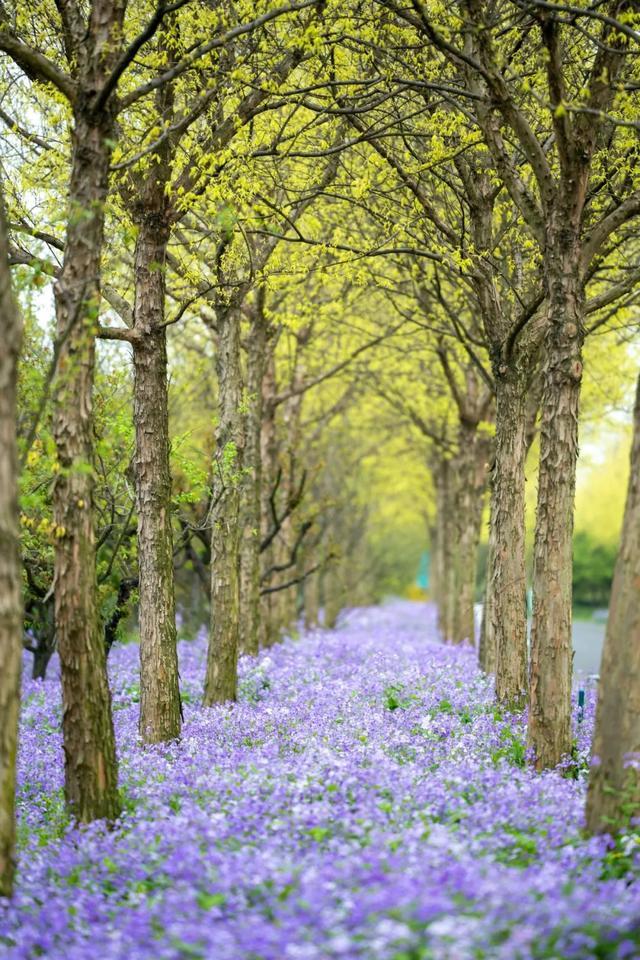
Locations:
column 549, row 728
column 469, row 498
column 89, row 746
column 506, row 623
column 159, row 687
column 518, row 388
column 568, row 240
column 160, row 709
column 460, row 485
column 503, row 638
column 10, row 571
column 251, row 487
column 160, row 714
column 614, row 783
column 222, row 657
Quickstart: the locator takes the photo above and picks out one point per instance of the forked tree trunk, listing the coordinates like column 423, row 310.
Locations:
column 222, row 658
column 89, row 746
column 250, row 490
column 10, row 572
column 159, row 684
column 506, row 622
column 549, row 730
column 613, row 798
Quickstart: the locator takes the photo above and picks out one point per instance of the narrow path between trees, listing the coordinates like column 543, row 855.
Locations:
column 363, row 799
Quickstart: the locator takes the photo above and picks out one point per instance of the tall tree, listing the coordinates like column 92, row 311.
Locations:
column 147, row 196
column 257, row 348
column 92, row 48
column 561, row 124
column 96, row 57
column 10, row 574
column 159, row 193
column 467, row 228
column 235, row 514
column 222, row 675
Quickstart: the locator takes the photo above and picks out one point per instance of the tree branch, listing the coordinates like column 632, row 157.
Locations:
column 206, row 47
column 628, row 209
column 33, row 63
column 128, row 56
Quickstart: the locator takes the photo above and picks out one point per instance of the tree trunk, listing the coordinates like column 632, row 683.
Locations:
column 41, row 659
column 160, row 707
column 222, row 658
column 486, row 643
column 311, row 595
column 159, row 685
column 89, row 746
column 269, row 460
column 613, row 798
column 10, row 571
column 549, row 731
column 506, row 621
column 445, row 550
column 284, row 607
column 250, row 490
column 434, row 552
column 334, row 594
column 39, row 621
column 120, row 611
column 469, row 497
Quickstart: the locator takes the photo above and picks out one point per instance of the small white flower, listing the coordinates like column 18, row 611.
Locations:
column 628, row 844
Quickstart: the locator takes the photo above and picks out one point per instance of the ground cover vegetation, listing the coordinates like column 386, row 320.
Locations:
column 386, row 811
column 291, row 293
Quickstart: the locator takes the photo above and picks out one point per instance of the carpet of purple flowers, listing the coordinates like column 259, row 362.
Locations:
column 363, row 799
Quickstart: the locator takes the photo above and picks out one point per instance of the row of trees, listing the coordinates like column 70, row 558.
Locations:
column 343, row 198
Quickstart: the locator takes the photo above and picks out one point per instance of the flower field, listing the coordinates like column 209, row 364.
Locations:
column 363, row 799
